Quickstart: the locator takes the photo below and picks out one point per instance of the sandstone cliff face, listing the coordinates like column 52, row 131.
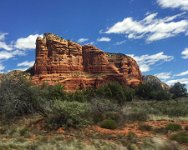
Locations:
column 78, row 67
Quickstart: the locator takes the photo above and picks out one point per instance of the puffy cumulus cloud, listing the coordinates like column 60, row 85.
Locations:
column 26, row 64
column 182, row 4
column 3, row 44
column 151, row 28
column 146, row 61
column 163, row 75
column 185, row 53
column 5, row 55
column 82, row 40
column 181, row 80
column 182, row 74
column 104, row 39
column 25, row 43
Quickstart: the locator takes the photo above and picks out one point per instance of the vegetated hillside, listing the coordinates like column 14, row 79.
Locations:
column 47, row 117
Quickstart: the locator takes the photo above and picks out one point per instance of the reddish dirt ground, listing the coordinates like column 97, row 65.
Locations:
column 134, row 127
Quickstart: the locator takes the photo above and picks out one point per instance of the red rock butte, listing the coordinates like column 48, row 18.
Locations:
column 60, row 61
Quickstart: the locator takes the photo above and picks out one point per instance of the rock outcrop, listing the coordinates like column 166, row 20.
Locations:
column 77, row 67
column 154, row 80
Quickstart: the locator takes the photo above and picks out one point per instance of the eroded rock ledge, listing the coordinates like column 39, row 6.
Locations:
column 77, row 67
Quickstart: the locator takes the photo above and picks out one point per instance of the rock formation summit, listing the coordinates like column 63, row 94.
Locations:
column 77, row 67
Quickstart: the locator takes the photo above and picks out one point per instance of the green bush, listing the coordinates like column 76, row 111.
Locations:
column 132, row 137
column 68, row 114
column 173, row 127
column 112, row 115
column 116, row 92
column 152, row 91
column 108, row 124
column 178, row 90
column 181, row 137
column 99, row 107
column 16, row 96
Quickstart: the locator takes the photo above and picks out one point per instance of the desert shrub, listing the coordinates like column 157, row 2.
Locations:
column 67, row 114
column 180, row 137
column 132, row 137
column 25, row 132
column 145, row 127
column 53, row 91
column 135, row 116
column 157, row 143
column 112, row 90
column 115, row 92
column 152, row 91
column 170, row 108
column 173, row 127
column 186, row 128
column 99, row 107
column 16, row 96
column 178, row 90
column 129, row 93
column 112, row 115
column 108, row 124
column 161, row 95
column 79, row 96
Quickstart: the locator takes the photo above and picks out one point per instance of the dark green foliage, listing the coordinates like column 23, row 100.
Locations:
column 67, row 114
column 116, row 92
column 178, row 90
column 100, row 107
column 152, row 91
column 181, row 137
column 132, row 137
column 112, row 115
column 16, row 96
column 108, row 124
column 173, row 127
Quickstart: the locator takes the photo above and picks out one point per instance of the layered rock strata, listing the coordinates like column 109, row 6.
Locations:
column 78, row 67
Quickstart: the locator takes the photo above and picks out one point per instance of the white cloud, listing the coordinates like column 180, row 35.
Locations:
column 182, row 74
column 4, row 55
column 182, row 4
column 163, row 75
column 144, row 67
column 3, row 44
column 182, row 80
column 28, row 42
column 1, row 68
column 146, row 61
column 185, row 53
column 26, row 64
column 82, row 40
column 104, row 39
column 150, row 28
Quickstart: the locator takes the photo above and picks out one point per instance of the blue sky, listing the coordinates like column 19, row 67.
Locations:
column 154, row 32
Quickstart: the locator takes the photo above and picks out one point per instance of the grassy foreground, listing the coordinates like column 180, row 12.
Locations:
column 148, row 125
